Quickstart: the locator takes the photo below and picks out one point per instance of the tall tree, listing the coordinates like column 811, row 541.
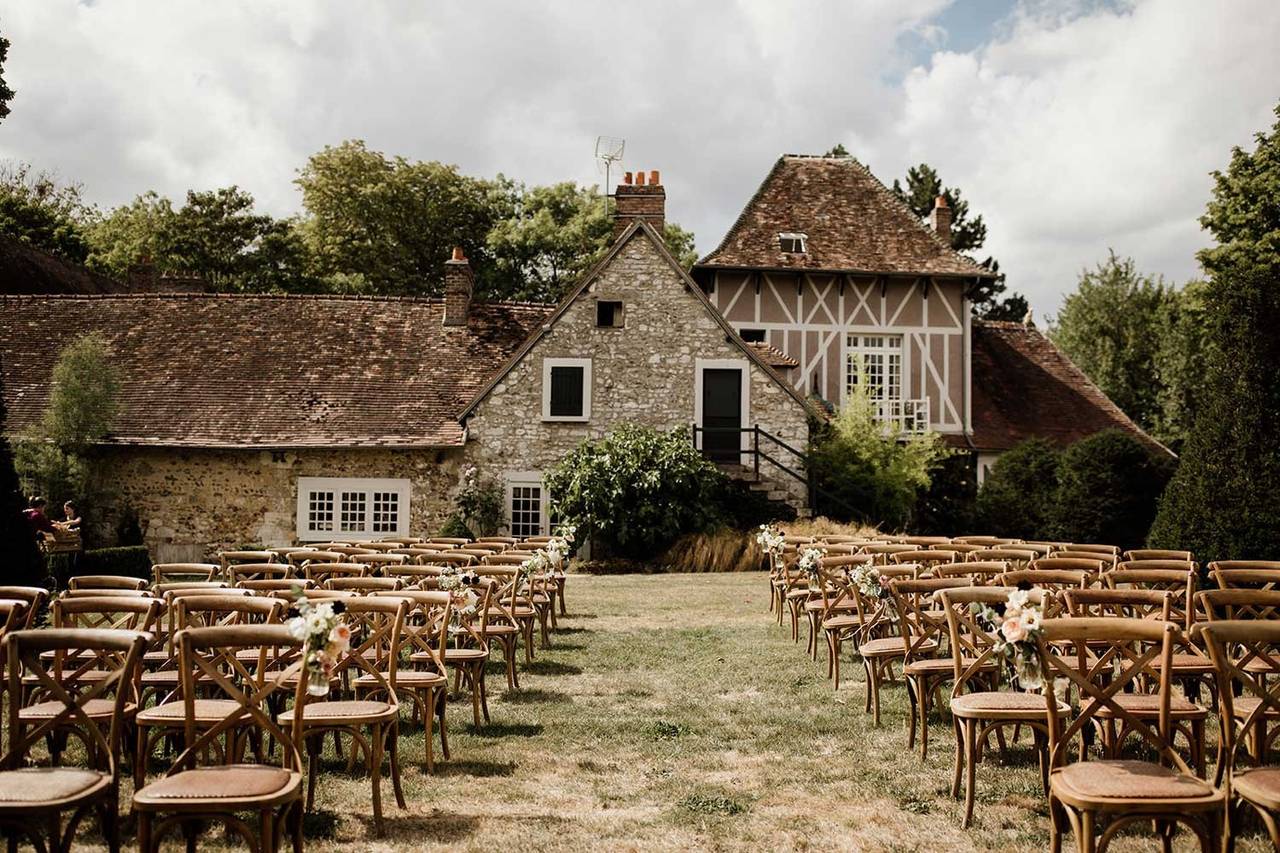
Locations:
column 6, row 94
column 216, row 233
column 837, row 150
column 42, row 211
column 387, row 224
column 968, row 234
column 1108, row 327
column 1183, row 344
column 18, row 551
column 1224, row 501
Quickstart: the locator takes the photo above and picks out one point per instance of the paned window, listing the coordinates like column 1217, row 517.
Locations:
column 351, row 508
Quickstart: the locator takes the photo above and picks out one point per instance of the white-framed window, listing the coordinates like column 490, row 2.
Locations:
column 528, row 510
column 793, row 243
column 875, row 360
column 337, row 508
column 566, row 389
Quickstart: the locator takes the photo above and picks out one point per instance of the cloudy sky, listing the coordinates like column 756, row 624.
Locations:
column 1072, row 125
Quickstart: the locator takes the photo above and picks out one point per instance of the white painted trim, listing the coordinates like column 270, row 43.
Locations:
column 337, row 485
column 967, row 354
column 585, row 364
column 527, row 478
column 741, row 364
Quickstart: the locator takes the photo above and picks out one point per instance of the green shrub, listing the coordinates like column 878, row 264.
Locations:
column 454, row 528
column 870, row 467
column 1017, row 494
column 1108, row 485
column 479, row 504
column 637, row 489
column 130, row 562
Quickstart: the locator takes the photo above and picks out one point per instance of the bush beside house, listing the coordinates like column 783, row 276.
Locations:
column 1016, row 497
column 1108, row 487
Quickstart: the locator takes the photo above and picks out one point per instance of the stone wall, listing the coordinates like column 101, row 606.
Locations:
column 643, row 372
column 193, row 503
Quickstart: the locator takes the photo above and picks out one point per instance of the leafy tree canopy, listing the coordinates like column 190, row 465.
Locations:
column 1244, row 213
column 6, row 94
column 41, row 211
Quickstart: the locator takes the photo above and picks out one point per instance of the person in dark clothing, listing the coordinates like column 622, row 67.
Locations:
column 36, row 518
column 70, row 517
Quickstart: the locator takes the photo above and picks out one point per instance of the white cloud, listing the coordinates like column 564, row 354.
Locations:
column 1075, row 129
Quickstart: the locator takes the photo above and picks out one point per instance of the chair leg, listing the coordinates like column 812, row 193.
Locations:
column 1087, row 842
column 444, row 729
column 375, row 776
column 144, row 834
column 393, row 739
column 958, row 764
column 313, row 768
column 482, row 687
column 429, row 722
column 970, row 770
column 266, row 832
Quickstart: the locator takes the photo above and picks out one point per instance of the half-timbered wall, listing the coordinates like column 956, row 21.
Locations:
column 810, row 317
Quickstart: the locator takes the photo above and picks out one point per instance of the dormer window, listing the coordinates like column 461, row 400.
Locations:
column 792, row 243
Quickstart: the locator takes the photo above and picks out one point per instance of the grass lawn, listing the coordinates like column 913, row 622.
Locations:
column 672, row 713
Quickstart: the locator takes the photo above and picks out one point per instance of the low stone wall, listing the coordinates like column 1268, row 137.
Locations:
column 193, row 503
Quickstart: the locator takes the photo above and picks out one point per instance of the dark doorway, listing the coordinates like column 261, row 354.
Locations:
column 722, row 413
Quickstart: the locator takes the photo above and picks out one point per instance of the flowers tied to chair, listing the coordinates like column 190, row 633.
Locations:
column 327, row 638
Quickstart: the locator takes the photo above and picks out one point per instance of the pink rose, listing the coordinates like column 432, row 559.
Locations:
column 340, row 637
column 1014, row 631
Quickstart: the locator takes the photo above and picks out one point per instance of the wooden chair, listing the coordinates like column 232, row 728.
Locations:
column 1138, row 554
column 873, row 628
column 35, row 597
column 318, row 573
column 1054, row 579
column 377, row 626
column 924, row 559
column 33, row 799
column 425, row 629
column 981, row 572
column 364, row 586
column 1091, row 564
column 882, row 551
column 1247, row 654
column 922, row 630
column 978, row 708
column 190, row 793
column 1172, row 576
column 96, row 582
column 1096, row 798
column 1245, row 574
column 820, row 609
column 170, row 572
column 227, row 559
column 1017, row 556
column 467, row 649
column 241, row 572
column 266, row 586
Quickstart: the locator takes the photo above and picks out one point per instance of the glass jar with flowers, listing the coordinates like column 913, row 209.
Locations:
column 327, row 639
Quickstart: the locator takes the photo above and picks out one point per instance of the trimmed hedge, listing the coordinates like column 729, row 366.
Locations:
column 1020, row 490
column 131, row 561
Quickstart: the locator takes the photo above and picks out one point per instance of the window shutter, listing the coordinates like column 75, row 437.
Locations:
column 566, row 392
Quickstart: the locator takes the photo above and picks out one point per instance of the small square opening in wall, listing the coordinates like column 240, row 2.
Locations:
column 753, row 336
column 609, row 314
column 793, row 243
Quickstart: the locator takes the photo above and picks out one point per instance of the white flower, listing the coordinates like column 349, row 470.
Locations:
column 1018, row 598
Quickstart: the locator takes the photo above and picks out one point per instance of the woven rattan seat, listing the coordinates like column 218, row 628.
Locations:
column 347, row 709
column 1145, row 705
column 1260, row 785
column 229, row 783
column 1123, row 780
column 465, row 654
column 889, row 647
column 44, row 784
column 844, row 620
column 933, row 665
column 1243, row 706
column 94, row 708
column 998, row 703
column 206, row 710
column 1189, row 663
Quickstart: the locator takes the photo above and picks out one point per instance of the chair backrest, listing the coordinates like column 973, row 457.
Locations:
column 297, row 558
column 242, row 572
column 926, row 541
column 13, row 615
column 1217, row 604
column 206, row 611
column 170, row 572
column 265, row 586
column 1152, row 604
column 1246, row 660
column 964, row 549
column 1048, row 578
column 412, row 575
column 233, row 558
column 381, row 546
column 35, row 597
column 1245, row 574
column 380, row 559
column 426, row 623
column 883, row 550
column 348, row 550
column 98, row 593
column 106, row 582
column 924, row 558
column 1178, row 578
column 117, row 653
column 1012, row 554
column 507, row 559
column 1095, row 548
column 920, row 624
column 108, row 612
column 972, row 640
column 449, row 540
column 844, row 539
column 1100, row 658
column 377, row 631
column 451, row 558
column 321, row 572
column 415, row 553
column 208, row 656
column 161, row 589
column 984, row 541
column 1157, row 554
column 1107, row 560
column 981, row 571
column 506, row 542
column 1092, row 565
column 844, row 561
column 363, row 585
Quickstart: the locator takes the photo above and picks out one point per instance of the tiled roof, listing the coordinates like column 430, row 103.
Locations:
column 852, row 223
column 217, row 370
column 1024, row 386
column 772, row 356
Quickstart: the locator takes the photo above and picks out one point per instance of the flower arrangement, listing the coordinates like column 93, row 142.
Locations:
column 810, row 561
column 771, row 541
column 557, row 550
column 866, row 580
column 327, row 639
column 1016, row 627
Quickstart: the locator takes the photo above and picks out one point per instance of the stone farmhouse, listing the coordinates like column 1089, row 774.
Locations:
column 280, row 418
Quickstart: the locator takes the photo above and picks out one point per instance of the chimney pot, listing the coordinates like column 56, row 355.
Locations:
column 458, row 254
column 639, row 179
column 654, row 178
column 640, row 199
column 626, row 179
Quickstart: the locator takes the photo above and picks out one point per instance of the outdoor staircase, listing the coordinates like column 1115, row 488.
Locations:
column 771, row 488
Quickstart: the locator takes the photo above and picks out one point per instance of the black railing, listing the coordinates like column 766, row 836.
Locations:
column 800, row 461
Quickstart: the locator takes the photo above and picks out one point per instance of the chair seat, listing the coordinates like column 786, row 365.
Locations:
column 943, row 666
column 817, row 605
column 492, row 630
column 1126, row 780
column 227, row 784
column 206, row 711
column 1259, row 785
column 342, row 711
column 162, row 677
column 886, row 647
column 411, row 678
column 464, row 655
column 1185, row 663
column 1243, row 706
column 1003, row 704
column 96, row 709
column 34, row 785
column 1147, row 706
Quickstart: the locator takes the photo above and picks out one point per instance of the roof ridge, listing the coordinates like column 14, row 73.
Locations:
column 230, row 296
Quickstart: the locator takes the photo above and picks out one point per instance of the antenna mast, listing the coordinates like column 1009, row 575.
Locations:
column 608, row 151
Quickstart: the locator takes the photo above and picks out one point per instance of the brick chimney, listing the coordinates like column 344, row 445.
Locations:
column 638, row 199
column 940, row 219
column 458, row 281
column 142, row 276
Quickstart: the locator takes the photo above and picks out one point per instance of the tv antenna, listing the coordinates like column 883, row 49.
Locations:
column 609, row 151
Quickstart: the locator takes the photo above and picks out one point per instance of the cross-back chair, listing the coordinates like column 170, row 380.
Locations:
column 363, row 585
column 982, row 572
column 170, row 572
column 978, row 707
column 318, row 573
column 96, row 582
column 1245, row 574
column 33, row 799
column 252, row 666
column 35, row 597
column 1140, row 554
column 239, row 573
column 297, row 558
column 1054, row 579
column 833, row 599
column 1016, row 556
column 882, row 551
column 1094, row 798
